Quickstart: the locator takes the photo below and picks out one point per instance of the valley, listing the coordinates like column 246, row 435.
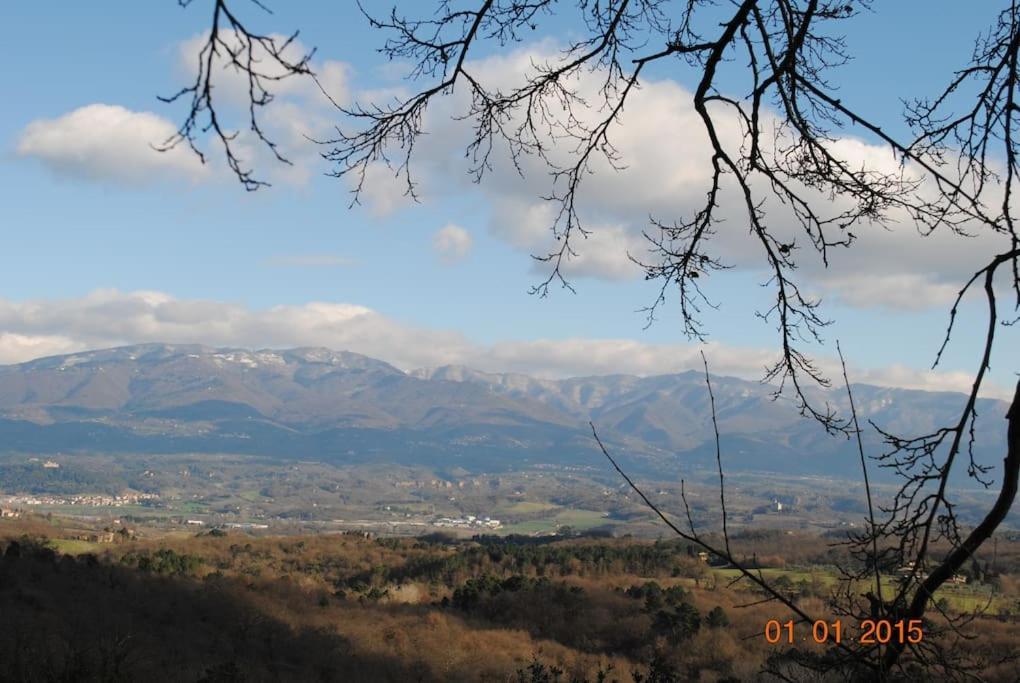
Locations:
column 208, row 490
column 317, row 515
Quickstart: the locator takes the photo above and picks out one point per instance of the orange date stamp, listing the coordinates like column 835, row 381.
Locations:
column 868, row 632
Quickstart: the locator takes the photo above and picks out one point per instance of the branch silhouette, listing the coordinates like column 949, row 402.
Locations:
column 957, row 174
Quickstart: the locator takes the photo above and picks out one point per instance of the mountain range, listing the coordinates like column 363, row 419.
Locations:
column 312, row 403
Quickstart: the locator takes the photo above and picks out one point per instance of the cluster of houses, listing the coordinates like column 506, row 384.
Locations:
column 908, row 569
column 46, row 464
column 94, row 536
column 88, row 499
column 439, row 483
column 468, row 521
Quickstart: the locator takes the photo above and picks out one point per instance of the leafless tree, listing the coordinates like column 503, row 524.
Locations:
column 958, row 173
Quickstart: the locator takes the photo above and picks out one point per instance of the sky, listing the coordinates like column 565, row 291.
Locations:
column 109, row 242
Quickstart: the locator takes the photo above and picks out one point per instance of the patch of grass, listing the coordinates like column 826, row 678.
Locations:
column 525, row 507
column 971, row 599
column 70, row 546
column 192, row 506
column 961, row 599
column 580, row 519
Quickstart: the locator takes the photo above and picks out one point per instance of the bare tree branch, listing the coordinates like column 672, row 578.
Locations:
column 957, row 174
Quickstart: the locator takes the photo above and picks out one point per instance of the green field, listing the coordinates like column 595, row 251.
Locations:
column 579, row 520
column 193, row 506
column 525, row 507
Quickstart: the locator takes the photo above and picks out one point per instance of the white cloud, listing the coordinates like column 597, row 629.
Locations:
column 452, row 243
column 908, row 378
column 665, row 155
column 104, row 318
column 16, row 348
column 384, row 191
column 108, row 143
column 903, row 292
column 105, row 142
column 109, row 317
column 302, row 109
column 232, row 83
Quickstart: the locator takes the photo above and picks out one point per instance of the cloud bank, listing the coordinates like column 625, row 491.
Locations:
column 104, row 318
column 664, row 152
column 660, row 140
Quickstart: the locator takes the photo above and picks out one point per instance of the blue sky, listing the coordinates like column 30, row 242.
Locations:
column 117, row 247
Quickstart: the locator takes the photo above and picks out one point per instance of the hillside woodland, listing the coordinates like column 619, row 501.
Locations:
column 224, row 606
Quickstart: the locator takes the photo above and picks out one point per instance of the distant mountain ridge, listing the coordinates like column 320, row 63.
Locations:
column 338, row 405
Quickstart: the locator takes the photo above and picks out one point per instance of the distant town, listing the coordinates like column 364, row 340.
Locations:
column 85, row 499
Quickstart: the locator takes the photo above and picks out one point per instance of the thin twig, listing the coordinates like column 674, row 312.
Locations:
column 718, row 454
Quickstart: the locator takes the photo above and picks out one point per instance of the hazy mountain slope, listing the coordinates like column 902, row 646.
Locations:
column 330, row 404
column 672, row 413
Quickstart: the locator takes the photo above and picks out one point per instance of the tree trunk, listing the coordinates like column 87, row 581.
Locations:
column 981, row 533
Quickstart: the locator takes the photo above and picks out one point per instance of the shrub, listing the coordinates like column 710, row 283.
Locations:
column 717, row 618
